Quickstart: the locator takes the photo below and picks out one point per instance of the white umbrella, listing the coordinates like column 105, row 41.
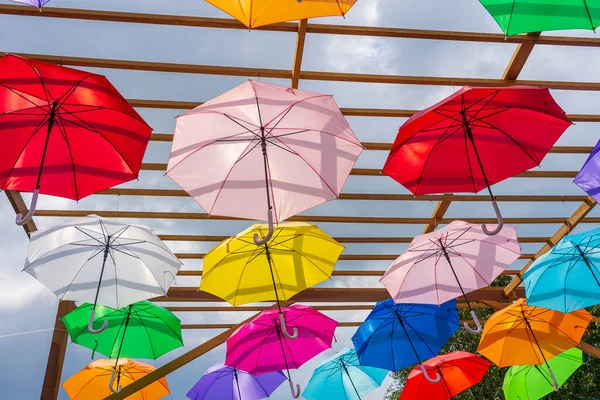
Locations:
column 101, row 260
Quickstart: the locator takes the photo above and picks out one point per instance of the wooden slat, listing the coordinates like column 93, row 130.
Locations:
column 363, row 273
column 519, row 58
column 589, row 349
column 299, row 52
column 337, row 307
column 19, row 206
column 343, row 257
column 438, row 214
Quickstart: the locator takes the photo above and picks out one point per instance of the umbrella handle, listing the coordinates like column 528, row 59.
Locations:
column 259, row 242
column 296, row 393
column 477, row 324
column 437, row 375
column 111, row 382
column 500, row 221
column 22, row 220
column 554, row 381
column 91, row 324
column 284, row 329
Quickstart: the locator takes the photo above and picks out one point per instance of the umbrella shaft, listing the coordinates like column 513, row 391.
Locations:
column 408, row 337
column 444, row 380
column 454, row 273
column 268, row 254
column 587, row 263
column 534, row 338
column 470, row 135
column 51, row 119
column 237, row 383
column 123, row 337
column 102, row 271
column 350, row 378
column 263, row 145
column 278, row 330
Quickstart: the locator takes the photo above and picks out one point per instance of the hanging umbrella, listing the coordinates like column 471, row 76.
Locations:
column 65, row 132
column 94, row 259
column 475, row 138
column 263, row 152
column 527, row 16
column 450, row 262
column 260, row 346
column 530, row 382
column 92, row 381
column 395, row 336
column 567, row 278
column 588, row 179
column 342, row 377
column 255, row 13
column 296, row 256
column 228, row 383
column 458, row 371
column 521, row 334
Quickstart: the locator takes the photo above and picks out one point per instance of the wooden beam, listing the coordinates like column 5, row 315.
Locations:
column 17, row 203
column 438, row 213
column 363, row 273
column 337, row 307
column 300, row 40
column 519, row 58
column 576, row 218
column 343, row 257
column 56, row 356
column 589, row 349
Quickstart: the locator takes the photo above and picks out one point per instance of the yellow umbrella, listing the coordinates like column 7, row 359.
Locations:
column 97, row 379
column 255, row 13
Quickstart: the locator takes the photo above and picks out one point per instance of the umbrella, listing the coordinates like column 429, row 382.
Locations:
column 567, row 278
column 525, row 16
column 139, row 330
column 521, row 334
column 65, row 132
column 530, row 382
column 458, row 371
column 255, row 13
column 297, row 256
column 395, row 336
column 260, row 345
column 101, row 260
column 35, row 3
column 225, row 383
column 263, row 152
column 475, row 138
column 588, row 179
column 452, row 261
column 341, row 377
column 92, row 381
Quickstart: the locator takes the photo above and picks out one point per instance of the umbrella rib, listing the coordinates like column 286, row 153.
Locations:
column 43, row 84
column 19, row 93
column 149, row 339
column 471, row 266
column 469, row 160
column 292, row 152
column 267, row 333
column 303, row 256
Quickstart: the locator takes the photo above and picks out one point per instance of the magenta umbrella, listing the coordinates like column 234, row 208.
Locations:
column 259, row 346
column 263, row 152
column 451, row 262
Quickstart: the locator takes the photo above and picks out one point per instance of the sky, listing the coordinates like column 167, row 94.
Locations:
column 28, row 309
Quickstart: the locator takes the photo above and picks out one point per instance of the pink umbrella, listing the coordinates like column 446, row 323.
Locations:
column 263, row 152
column 259, row 346
column 452, row 261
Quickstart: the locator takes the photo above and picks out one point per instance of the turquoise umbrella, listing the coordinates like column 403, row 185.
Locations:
column 341, row 377
column 567, row 278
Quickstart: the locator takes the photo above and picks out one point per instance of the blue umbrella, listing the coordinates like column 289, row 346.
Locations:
column 341, row 377
column 395, row 336
column 567, row 278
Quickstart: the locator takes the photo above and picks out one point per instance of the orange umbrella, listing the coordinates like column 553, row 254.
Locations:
column 525, row 335
column 96, row 381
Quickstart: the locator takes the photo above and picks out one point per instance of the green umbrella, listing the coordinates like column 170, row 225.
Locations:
column 140, row 330
column 524, row 16
column 532, row 382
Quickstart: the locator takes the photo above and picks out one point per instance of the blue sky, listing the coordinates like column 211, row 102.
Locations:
column 26, row 305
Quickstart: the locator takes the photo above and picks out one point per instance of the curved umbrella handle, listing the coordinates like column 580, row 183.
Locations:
column 111, row 382
column 259, row 242
column 284, row 329
column 500, row 221
column 554, row 381
column 437, row 375
column 91, row 324
column 296, row 393
column 477, row 324
column 22, row 220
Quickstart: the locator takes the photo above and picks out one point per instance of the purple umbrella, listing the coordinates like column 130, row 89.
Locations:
column 589, row 177
column 35, row 3
column 227, row 383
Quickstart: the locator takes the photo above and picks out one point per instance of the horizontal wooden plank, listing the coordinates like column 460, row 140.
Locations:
column 343, row 257
column 356, row 273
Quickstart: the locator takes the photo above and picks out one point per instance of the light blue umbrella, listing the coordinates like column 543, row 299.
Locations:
column 341, row 377
column 567, row 278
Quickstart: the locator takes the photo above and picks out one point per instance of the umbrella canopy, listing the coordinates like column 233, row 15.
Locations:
column 263, row 151
column 255, row 13
column 94, row 259
column 567, row 278
column 450, row 262
column 395, row 336
column 464, row 142
column 525, row 16
column 96, row 381
column 227, row 383
column 588, row 179
column 65, row 132
column 260, row 346
column 35, row 3
column 139, row 330
column 530, row 382
column 341, row 377
column 458, row 371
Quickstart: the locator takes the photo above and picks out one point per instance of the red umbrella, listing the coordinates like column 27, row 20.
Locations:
column 458, row 371
column 475, row 138
column 64, row 132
